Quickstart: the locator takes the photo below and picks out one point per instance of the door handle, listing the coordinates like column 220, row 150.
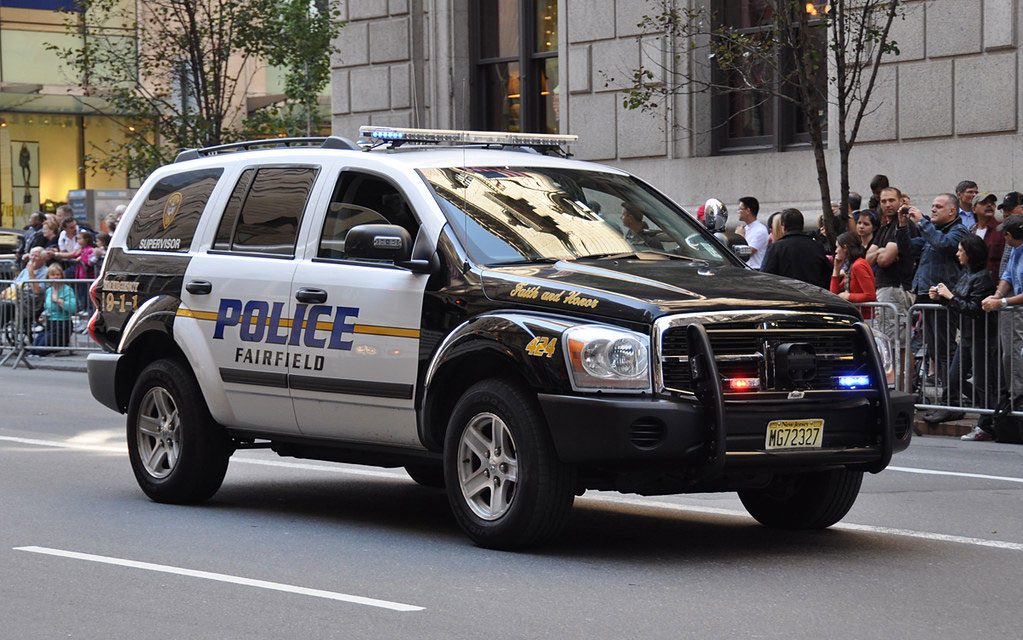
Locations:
column 312, row 296
column 199, row 287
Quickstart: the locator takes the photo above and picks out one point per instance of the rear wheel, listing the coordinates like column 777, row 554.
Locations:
column 505, row 483
column 804, row 501
column 178, row 453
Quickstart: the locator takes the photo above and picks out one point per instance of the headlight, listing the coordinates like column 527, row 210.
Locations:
column 602, row 358
column 884, row 349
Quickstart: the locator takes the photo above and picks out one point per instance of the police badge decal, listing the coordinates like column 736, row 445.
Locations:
column 171, row 208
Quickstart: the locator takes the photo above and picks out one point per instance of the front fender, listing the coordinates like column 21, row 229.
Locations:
column 508, row 335
column 502, row 344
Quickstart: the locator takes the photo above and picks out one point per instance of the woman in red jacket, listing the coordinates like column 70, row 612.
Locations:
column 855, row 282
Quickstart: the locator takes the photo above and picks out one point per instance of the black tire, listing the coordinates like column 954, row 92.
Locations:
column 185, row 459
column 533, row 503
column 804, row 501
column 426, row 474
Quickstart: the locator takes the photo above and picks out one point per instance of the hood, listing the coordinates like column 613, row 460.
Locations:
column 643, row 290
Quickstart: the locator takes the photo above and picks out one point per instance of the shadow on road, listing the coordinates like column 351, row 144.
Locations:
column 607, row 532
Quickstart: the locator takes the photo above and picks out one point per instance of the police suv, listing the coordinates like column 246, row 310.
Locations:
column 501, row 321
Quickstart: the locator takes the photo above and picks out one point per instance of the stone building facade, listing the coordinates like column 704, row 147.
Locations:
column 946, row 109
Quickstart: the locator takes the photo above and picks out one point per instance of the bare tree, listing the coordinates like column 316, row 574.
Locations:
column 808, row 54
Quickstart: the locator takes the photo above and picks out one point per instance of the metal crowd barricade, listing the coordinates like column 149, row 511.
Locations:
column 886, row 319
column 967, row 364
column 27, row 330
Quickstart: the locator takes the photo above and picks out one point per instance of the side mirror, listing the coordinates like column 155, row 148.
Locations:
column 384, row 242
column 744, row 251
column 378, row 242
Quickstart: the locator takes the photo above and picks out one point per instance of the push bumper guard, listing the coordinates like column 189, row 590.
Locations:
column 722, row 432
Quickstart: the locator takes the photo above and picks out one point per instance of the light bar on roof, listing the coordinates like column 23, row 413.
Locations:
column 465, row 137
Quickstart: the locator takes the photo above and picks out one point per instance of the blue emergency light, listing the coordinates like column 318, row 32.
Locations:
column 851, row 382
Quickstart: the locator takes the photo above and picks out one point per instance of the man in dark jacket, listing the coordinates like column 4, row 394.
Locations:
column 937, row 246
column 797, row 255
column 987, row 229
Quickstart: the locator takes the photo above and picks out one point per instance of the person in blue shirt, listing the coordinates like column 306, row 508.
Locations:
column 59, row 308
column 1009, row 294
column 966, row 191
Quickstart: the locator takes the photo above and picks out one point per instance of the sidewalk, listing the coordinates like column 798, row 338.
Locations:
column 62, row 361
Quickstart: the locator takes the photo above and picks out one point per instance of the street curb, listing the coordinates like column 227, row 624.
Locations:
column 949, row 429
column 80, row 368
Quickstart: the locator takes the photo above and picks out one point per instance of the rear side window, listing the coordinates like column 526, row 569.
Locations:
column 167, row 219
column 265, row 210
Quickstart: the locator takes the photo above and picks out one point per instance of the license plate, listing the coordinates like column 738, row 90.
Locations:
column 794, row 434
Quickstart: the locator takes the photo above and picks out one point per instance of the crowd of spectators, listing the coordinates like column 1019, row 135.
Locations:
column 54, row 247
column 959, row 255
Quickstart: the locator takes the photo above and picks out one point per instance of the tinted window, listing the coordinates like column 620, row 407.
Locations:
column 265, row 211
column 362, row 199
column 226, row 229
column 167, row 219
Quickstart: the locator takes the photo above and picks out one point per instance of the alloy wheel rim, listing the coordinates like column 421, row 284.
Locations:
column 159, row 432
column 488, row 468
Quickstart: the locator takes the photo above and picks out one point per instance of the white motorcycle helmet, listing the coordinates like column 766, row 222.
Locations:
column 715, row 214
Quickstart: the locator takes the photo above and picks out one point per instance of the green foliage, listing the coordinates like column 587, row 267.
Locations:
column 786, row 56
column 172, row 71
column 297, row 35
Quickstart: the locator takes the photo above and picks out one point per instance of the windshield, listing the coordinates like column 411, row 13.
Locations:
column 511, row 215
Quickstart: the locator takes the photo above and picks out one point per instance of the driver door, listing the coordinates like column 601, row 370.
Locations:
column 362, row 346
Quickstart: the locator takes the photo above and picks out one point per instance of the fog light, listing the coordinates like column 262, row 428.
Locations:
column 851, row 382
column 744, row 384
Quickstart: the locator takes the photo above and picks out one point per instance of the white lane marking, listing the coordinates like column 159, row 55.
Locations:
column 958, row 474
column 717, row 511
column 221, row 577
column 370, row 473
column 925, row 535
column 60, row 444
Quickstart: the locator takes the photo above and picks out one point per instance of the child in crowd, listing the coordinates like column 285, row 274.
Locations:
column 84, row 264
column 102, row 240
column 59, row 307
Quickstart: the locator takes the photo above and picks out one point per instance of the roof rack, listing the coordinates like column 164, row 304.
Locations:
column 397, row 136
column 329, row 142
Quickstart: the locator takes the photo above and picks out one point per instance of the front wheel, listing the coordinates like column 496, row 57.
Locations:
column 804, row 501
column 505, row 483
column 177, row 451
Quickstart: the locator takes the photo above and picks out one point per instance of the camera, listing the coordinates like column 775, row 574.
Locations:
column 904, row 211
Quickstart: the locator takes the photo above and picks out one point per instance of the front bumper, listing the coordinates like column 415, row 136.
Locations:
column 647, row 433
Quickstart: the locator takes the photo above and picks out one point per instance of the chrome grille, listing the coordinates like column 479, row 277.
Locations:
column 747, row 350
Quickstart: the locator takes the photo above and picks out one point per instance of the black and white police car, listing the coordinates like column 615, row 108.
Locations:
column 504, row 322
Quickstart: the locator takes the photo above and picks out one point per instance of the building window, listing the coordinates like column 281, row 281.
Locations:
column 748, row 119
column 515, row 46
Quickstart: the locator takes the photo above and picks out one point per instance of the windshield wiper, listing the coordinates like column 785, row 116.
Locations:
column 537, row 260
column 637, row 255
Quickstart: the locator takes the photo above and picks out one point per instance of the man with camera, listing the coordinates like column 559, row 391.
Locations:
column 937, row 247
column 892, row 254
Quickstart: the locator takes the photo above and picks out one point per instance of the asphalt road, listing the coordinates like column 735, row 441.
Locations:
column 300, row 549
